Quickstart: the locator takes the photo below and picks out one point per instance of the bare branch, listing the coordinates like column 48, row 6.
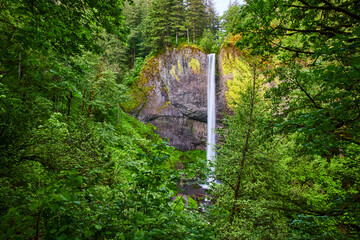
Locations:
column 308, row 95
column 309, row 7
column 329, row 7
column 338, row 9
column 296, row 50
column 332, row 32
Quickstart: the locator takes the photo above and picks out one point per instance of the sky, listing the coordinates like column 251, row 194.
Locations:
column 222, row 5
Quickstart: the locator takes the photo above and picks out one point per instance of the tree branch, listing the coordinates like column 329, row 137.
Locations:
column 333, row 32
column 329, row 7
column 337, row 9
column 308, row 95
column 309, row 7
column 222, row 179
column 293, row 49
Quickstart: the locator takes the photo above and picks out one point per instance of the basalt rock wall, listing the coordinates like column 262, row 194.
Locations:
column 171, row 94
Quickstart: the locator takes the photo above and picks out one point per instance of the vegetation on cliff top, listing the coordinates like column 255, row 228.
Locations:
column 289, row 161
column 144, row 77
column 74, row 165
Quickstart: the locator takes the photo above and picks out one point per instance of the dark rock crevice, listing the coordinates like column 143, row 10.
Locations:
column 176, row 103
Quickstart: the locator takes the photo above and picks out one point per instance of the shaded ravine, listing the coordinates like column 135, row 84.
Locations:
column 193, row 188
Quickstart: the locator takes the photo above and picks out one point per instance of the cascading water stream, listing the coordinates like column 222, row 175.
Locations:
column 211, row 116
column 211, row 108
column 211, row 125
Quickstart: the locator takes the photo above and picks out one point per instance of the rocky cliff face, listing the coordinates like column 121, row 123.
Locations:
column 171, row 94
column 230, row 68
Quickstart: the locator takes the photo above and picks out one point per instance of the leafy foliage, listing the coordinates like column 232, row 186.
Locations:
column 249, row 167
column 312, row 48
column 161, row 23
column 74, row 165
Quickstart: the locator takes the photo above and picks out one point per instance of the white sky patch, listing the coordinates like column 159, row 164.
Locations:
column 223, row 5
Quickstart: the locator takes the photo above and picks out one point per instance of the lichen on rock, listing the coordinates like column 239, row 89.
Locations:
column 180, row 67
column 171, row 92
column 173, row 73
column 171, row 95
column 240, row 71
column 237, row 70
column 195, row 65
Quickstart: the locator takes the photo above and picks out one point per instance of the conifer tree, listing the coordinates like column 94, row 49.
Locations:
column 212, row 21
column 178, row 18
column 134, row 15
column 196, row 17
column 160, row 23
column 247, row 164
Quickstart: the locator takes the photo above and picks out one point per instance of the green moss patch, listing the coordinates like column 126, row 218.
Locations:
column 195, row 65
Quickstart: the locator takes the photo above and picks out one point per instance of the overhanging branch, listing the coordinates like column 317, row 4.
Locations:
column 338, row 9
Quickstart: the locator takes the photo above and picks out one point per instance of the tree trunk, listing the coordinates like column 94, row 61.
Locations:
column 19, row 68
column 84, row 102
column 57, row 103
column 246, row 146
column 133, row 55
column 69, row 104
column 188, row 37
column 92, row 94
column 38, row 215
column 118, row 113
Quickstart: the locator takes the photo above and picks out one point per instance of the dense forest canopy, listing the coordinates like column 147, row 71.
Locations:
column 75, row 165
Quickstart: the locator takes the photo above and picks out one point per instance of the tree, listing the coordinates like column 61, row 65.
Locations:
column 135, row 16
column 212, row 20
column 232, row 17
column 73, row 164
column 315, row 48
column 195, row 17
column 208, row 42
column 69, row 26
column 247, row 164
column 178, row 18
column 160, row 23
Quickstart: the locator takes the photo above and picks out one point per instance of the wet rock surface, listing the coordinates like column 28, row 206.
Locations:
column 176, row 100
column 174, row 96
column 194, row 190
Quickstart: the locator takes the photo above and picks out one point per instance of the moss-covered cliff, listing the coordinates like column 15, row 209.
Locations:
column 171, row 91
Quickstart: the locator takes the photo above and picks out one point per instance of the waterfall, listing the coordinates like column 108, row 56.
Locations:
column 211, row 113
